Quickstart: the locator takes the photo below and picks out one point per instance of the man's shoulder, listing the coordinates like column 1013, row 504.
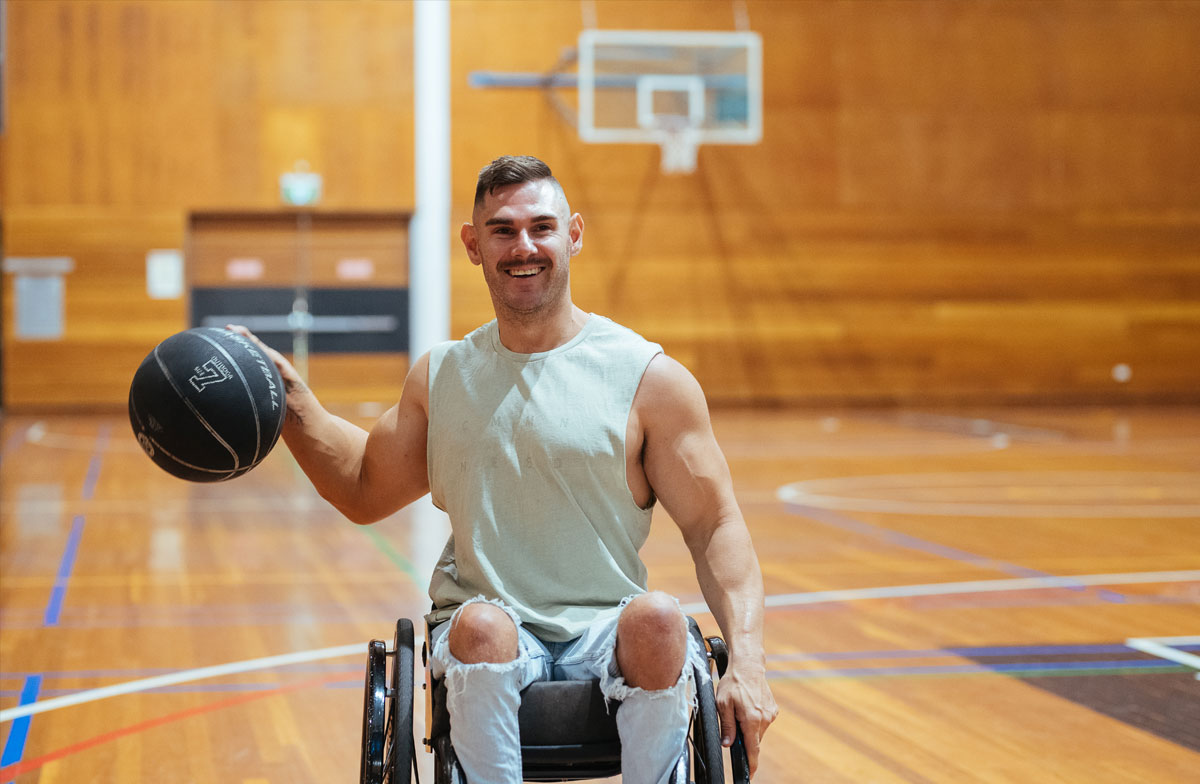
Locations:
column 667, row 375
column 604, row 327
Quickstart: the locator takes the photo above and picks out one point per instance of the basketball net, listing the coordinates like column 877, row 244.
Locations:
column 680, row 143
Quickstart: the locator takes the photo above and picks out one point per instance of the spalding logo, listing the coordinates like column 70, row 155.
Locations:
column 144, row 440
column 211, row 372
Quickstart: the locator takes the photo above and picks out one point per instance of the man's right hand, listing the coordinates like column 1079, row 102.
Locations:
column 293, row 384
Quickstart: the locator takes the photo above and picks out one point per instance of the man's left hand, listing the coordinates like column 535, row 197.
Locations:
column 743, row 694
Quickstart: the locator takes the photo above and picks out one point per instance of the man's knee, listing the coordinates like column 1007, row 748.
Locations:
column 652, row 641
column 483, row 632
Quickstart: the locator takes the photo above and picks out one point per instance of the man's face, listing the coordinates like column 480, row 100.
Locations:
column 524, row 238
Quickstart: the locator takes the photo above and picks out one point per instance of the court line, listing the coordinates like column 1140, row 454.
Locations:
column 1009, row 669
column 972, row 586
column 962, row 652
column 17, row 769
column 1164, row 648
column 820, row 493
column 14, row 746
column 182, row 676
column 392, row 554
column 18, row 734
column 829, row 517
column 59, row 592
column 771, row 602
column 171, row 579
column 93, row 472
column 977, row 427
column 837, row 520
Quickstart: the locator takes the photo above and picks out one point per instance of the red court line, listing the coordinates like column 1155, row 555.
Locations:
column 12, row 771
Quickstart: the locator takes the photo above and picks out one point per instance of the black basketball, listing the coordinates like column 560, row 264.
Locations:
column 207, row 404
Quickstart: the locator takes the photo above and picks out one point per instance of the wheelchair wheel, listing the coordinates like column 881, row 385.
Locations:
column 738, row 760
column 706, row 736
column 399, row 746
column 374, row 716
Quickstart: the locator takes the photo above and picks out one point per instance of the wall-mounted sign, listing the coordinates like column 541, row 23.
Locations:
column 39, row 293
column 300, row 187
column 164, row 274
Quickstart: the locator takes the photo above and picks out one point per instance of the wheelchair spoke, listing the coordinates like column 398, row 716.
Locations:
column 389, row 749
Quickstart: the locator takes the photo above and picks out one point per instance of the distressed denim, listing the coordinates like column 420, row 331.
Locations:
column 483, row 700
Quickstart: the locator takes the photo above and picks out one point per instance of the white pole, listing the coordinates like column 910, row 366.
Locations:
column 429, row 257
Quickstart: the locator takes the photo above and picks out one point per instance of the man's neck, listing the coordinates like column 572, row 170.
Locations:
column 540, row 333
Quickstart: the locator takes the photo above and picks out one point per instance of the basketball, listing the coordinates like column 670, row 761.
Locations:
column 207, row 405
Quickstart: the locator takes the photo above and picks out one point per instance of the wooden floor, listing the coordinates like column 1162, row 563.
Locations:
column 1000, row 595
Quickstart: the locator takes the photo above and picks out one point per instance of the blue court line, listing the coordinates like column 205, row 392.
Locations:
column 836, row 520
column 14, row 747
column 59, row 592
column 93, row 472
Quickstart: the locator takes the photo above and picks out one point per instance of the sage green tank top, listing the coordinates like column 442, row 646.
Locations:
column 527, row 457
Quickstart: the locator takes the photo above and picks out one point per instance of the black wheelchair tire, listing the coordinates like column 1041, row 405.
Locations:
column 739, row 760
column 707, row 751
column 374, row 715
column 400, row 746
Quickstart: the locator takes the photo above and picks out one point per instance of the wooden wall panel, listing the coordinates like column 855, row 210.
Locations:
column 299, row 248
column 110, row 323
column 125, row 116
column 952, row 202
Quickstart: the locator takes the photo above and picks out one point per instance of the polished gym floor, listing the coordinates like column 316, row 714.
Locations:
column 984, row 595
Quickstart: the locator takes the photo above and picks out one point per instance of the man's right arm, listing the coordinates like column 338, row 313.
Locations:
column 366, row 476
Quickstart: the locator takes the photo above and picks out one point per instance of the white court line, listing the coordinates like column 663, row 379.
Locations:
column 1162, row 648
column 847, row 493
column 976, row 586
column 184, row 676
column 780, row 600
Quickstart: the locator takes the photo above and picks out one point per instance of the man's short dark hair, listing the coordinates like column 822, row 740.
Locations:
column 511, row 170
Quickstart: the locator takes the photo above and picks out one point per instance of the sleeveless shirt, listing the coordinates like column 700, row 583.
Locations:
column 526, row 455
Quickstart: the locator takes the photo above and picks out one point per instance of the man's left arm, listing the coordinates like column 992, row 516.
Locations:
column 688, row 473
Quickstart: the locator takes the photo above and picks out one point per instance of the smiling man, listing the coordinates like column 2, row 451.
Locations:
column 548, row 435
column 527, row 267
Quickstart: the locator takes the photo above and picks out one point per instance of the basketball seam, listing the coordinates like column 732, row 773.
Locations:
column 142, row 429
column 160, row 448
column 249, row 393
column 185, row 463
column 191, row 407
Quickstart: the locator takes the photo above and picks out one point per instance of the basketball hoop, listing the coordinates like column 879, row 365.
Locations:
column 674, row 88
column 680, row 143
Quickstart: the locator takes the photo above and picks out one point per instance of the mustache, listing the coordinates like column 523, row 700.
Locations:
column 508, row 265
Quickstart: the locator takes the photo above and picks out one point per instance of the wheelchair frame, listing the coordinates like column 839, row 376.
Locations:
column 388, row 745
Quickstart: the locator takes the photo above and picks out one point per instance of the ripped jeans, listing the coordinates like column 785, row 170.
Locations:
column 483, row 700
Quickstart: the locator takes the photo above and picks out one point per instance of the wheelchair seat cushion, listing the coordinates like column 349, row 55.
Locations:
column 560, row 713
column 553, row 713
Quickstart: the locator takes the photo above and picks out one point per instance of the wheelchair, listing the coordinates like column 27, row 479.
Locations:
column 567, row 734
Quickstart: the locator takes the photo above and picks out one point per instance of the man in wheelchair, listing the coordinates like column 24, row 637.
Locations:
column 548, row 435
